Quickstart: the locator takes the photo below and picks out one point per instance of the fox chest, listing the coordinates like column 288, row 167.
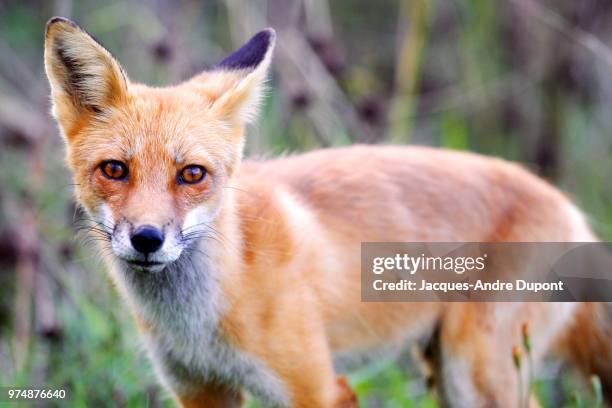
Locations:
column 188, row 361
column 182, row 309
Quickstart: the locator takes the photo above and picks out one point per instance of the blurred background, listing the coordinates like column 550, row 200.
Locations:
column 527, row 80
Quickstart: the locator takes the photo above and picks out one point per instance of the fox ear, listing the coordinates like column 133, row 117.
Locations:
column 83, row 75
column 235, row 85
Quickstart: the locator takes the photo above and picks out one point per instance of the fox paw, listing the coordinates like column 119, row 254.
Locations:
column 346, row 396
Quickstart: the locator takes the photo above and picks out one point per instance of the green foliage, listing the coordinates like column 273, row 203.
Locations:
column 387, row 385
column 453, row 132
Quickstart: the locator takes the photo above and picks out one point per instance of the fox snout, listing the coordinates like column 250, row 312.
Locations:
column 147, row 239
column 146, row 246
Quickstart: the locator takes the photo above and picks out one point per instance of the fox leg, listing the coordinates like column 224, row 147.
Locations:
column 320, row 388
column 475, row 367
column 211, row 396
column 302, row 360
column 586, row 343
column 347, row 397
column 307, row 390
column 310, row 379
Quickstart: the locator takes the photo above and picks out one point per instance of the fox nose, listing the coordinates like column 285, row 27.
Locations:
column 146, row 239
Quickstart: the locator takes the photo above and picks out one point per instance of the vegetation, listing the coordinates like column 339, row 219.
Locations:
column 523, row 79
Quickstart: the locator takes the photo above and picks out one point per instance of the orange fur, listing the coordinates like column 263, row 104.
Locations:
column 287, row 231
column 212, row 396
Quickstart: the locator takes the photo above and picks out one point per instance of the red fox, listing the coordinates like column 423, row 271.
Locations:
column 244, row 276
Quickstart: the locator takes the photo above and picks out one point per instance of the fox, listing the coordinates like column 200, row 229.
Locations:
column 243, row 275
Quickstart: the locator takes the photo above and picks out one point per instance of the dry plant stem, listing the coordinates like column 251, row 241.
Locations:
column 26, row 270
column 245, row 18
column 45, row 311
column 332, row 115
column 529, row 378
column 596, row 384
column 16, row 103
column 520, row 388
column 331, row 109
column 63, row 8
column 414, row 15
column 24, row 223
column 318, row 17
column 517, row 357
column 584, row 38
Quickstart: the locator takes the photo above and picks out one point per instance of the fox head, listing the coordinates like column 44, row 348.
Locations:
column 150, row 164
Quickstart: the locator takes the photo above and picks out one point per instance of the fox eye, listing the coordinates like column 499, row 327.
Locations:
column 114, row 170
column 191, row 174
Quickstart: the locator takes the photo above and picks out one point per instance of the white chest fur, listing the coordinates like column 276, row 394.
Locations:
column 183, row 304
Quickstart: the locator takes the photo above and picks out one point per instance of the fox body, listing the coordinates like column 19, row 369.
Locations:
column 245, row 275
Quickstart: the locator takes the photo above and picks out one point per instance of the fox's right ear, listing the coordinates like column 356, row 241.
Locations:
column 84, row 77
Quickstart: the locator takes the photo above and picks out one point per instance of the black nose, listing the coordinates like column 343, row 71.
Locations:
column 147, row 239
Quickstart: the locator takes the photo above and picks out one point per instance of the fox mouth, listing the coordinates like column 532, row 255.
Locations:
column 145, row 265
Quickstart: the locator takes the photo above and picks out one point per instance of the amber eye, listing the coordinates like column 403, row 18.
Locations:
column 191, row 174
column 114, row 170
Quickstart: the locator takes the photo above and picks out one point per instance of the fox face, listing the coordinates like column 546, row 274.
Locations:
column 151, row 165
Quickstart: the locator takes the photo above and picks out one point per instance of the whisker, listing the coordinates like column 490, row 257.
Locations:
column 239, row 189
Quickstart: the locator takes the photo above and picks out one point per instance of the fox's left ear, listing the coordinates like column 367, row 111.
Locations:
column 235, row 85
